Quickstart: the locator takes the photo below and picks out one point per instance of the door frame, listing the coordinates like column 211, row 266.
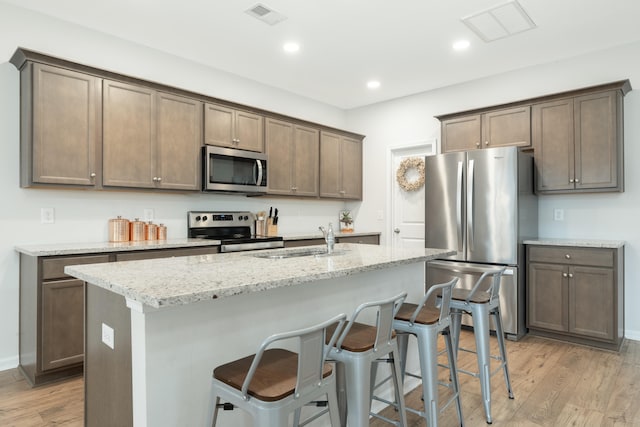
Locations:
column 422, row 145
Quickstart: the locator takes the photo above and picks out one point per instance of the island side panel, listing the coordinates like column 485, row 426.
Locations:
column 183, row 344
column 108, row 396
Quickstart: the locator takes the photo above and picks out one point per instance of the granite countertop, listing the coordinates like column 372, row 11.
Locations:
column 588, row 243
column 184, row 280
column 100, row 247
column 303, row 236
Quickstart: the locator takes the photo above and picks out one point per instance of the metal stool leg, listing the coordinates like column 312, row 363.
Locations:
column 358, row 398
column 428, row 353
column 398, row 385
column 503, row 351
column 403, row 345
column 453, row 373
column 481, row 327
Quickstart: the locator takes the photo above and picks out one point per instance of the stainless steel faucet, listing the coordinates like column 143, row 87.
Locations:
column 329, row 237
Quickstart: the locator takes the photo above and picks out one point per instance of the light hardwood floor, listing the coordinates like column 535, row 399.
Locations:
column 555, row 384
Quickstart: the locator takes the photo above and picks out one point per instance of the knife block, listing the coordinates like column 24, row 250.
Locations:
column 272, row 229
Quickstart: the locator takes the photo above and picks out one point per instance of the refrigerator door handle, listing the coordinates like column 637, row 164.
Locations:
column 470, row 210
column 459, row 206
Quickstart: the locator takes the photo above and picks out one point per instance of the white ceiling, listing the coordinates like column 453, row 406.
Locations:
column 406, row 44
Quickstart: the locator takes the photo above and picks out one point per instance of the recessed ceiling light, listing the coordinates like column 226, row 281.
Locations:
column 291, row 47
column 373, row 84
column 461, row 45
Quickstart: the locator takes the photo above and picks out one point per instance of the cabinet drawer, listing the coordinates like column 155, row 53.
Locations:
column 366, row 240
column 53, row 268
column 166, row 253
column 570, row 255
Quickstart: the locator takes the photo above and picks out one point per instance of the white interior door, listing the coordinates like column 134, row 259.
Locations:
column 407, row 207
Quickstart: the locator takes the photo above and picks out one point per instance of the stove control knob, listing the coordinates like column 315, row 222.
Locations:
column 204, row 218
column 245, row 217
column 198, row 218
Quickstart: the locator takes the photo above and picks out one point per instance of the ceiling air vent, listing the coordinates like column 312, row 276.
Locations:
column 265, row 14
column 499, row 21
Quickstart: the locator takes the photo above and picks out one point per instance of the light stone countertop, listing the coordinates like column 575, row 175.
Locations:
column 100, row 247
column 185, row 280
column 588, row 243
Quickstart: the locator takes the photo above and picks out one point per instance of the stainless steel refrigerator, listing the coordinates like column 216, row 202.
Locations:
column 481, row 203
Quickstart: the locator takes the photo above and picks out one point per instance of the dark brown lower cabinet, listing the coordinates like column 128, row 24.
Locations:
column 62, row 323
column 577, row 294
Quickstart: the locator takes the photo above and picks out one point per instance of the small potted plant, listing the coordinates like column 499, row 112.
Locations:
column 346, row 222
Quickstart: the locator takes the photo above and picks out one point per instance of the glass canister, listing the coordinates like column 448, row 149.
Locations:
column 136, row 230
column 162, row 232
column 118, row 229
column 150, row 231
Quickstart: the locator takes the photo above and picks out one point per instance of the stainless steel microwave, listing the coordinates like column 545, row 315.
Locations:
column 232, row 170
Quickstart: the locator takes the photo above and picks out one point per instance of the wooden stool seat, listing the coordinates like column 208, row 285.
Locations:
column 274, row 379
column 361, row 337
column 426, row 316
column 480, row 297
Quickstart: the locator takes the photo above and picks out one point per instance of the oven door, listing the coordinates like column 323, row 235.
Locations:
column 227, row 169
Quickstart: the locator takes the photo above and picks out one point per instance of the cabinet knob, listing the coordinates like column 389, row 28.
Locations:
column 294, row 188
column 155, row 178
column 564, row 274
column 159, row 178
column 570, row 275
column 396, row 230
column 571, row 181
column 92, row 175
column 486, row 143
column 477, row 144
column 567, row 256
column 577, row 180
column 342, row 192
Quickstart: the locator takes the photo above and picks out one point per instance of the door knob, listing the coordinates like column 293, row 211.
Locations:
column 396, row 230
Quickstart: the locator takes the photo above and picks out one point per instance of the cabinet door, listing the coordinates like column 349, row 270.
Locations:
column 306, row 163
column 249, row 131
column 461, row 133
column 330, row 165
column 351, row 169
column 179, row 122
column 596, row 148
column 553, row 143
column 507, row 127
column 66, row 128
column 62, row 323
column 363, row 240
column 591, row 302
column 129, row 135
column 548, row 297
column 279, row 142
column 218, row 125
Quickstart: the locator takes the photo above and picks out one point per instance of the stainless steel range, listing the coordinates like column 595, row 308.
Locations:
column 235, row 230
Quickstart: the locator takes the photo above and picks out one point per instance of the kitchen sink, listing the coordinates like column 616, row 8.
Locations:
column 316, row 252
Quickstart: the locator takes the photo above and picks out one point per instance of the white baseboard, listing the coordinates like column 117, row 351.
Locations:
column 8, row 363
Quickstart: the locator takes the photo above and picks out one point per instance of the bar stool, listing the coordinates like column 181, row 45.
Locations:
column 482, row 302
column 275, row 382
column 426, row 321
column 358, row 347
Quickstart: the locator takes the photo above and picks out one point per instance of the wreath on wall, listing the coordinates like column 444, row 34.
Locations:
column 405, row 166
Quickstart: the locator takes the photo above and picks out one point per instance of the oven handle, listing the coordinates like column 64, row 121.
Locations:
column 259, row 180
column 237, row 247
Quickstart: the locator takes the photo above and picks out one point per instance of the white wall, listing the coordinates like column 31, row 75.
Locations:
column 603, row 216
column 81, row 216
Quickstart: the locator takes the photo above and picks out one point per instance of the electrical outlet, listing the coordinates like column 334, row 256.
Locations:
column 108, row 335
column 558, row 214
column 148, row 214
column 380, row 215
column 47, row 216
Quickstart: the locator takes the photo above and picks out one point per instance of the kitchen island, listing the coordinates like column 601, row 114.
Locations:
column 155, row 329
